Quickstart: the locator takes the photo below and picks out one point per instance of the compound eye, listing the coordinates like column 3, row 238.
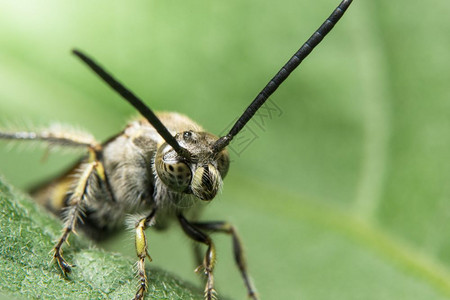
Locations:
column 223, row 163
column 177, row 176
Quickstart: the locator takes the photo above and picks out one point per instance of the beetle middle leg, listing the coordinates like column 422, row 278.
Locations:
column 76, row 203
column 73, row 212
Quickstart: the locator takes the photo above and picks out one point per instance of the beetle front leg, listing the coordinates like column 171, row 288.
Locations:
column 142, row 253
column 238, row 250
column 210, row 257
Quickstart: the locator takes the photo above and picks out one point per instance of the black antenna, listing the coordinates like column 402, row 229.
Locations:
column 135, row 101
column 284, row 73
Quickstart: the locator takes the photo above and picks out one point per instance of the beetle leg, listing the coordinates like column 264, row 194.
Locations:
column 238, row 251
column 73, row 212
column 54, row 137
column 141, row 252
column 210, row 257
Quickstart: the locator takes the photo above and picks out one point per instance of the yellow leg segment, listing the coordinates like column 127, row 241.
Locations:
column 73, row 213
column 142, row 253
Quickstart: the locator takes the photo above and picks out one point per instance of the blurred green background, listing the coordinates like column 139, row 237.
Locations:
column 344, row 195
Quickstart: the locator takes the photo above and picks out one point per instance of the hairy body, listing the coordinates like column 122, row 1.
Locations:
column 137, row 173
column 130, row 185
column 163, row 170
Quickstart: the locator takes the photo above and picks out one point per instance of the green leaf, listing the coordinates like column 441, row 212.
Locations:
column 28, row 233
column 345, row 194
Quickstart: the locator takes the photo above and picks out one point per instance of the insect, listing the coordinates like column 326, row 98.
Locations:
column 160, row 167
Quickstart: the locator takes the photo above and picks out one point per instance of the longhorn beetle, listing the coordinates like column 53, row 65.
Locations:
column 160, row 164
